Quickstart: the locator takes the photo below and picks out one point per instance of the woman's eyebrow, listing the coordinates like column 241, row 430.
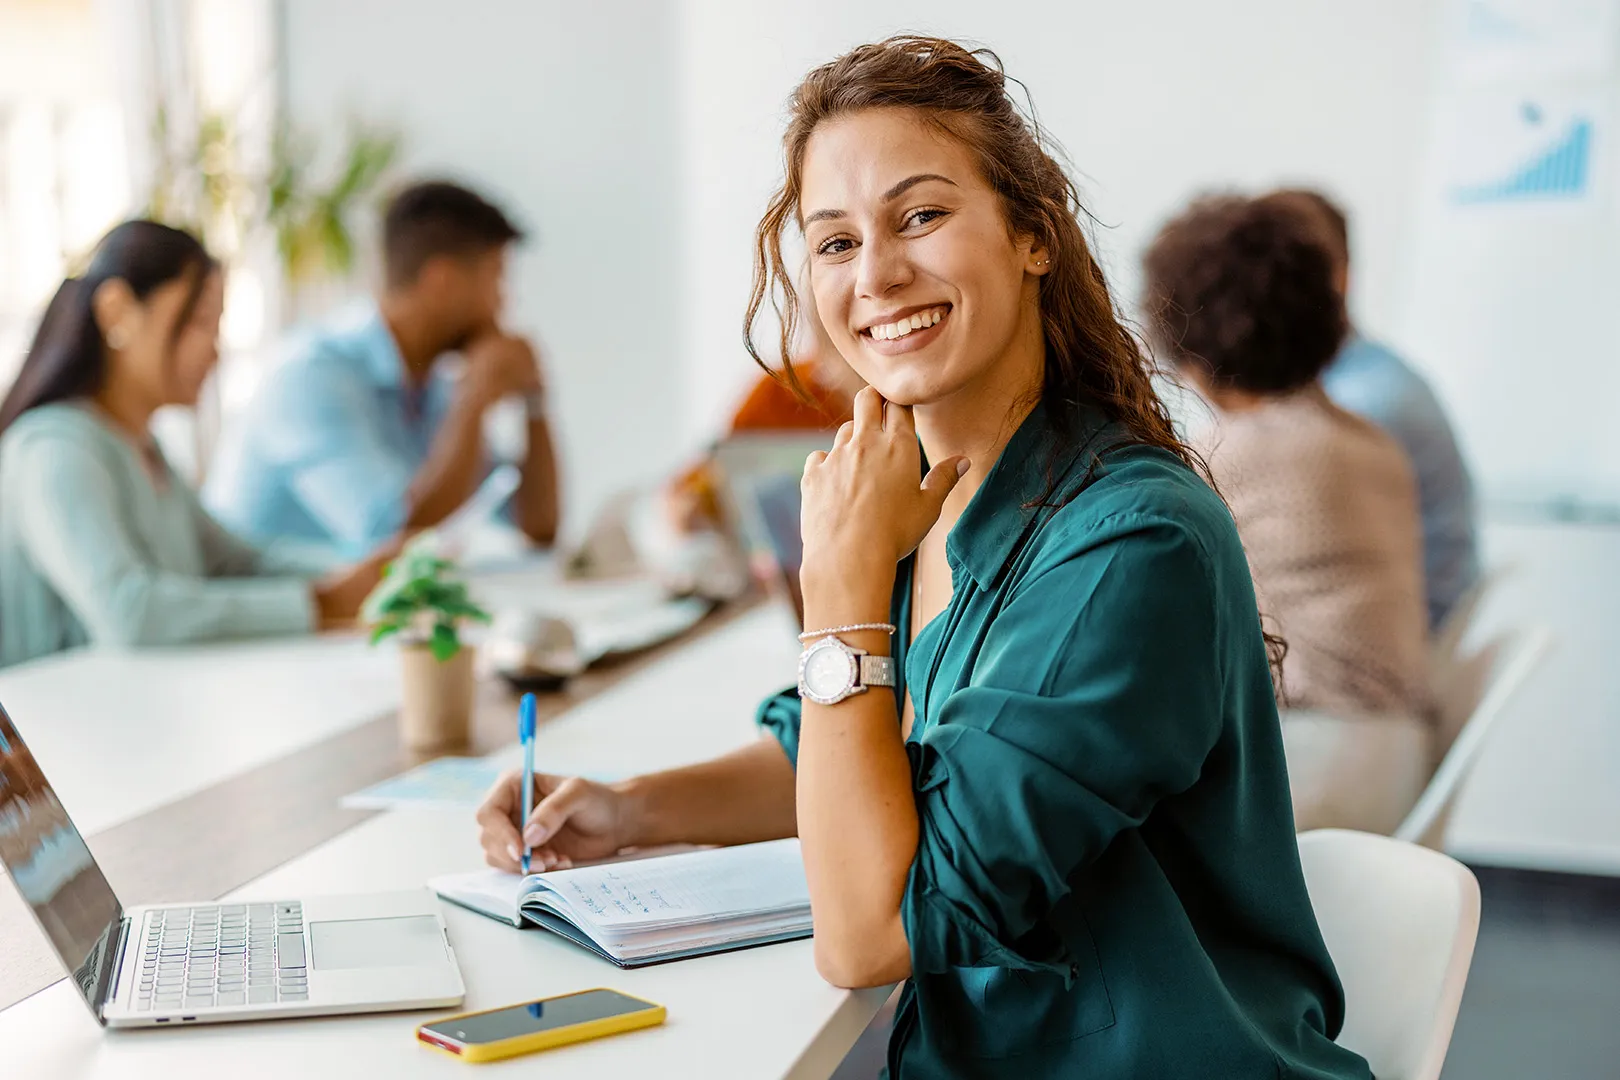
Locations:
column 888, row 196
column 912, row 181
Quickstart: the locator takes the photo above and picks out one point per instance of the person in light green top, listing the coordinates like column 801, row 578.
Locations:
column 1067, row 828
column 100, row 542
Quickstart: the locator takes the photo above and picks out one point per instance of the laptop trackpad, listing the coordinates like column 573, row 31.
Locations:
column 412, row 941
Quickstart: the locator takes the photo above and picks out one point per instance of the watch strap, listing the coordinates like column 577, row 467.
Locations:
column 877, row 670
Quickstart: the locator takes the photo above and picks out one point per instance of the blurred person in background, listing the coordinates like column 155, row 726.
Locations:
column 1242, row 296
column 100, row 541
column 366, row 433
column 1371, row 381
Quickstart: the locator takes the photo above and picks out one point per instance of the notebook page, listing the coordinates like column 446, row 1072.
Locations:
column 677, row 890
column 492, row 892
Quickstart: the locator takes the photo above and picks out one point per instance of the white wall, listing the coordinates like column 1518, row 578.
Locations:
column 641, row 139
column 1512, row 300
column 565, row 114
column 1154, row 100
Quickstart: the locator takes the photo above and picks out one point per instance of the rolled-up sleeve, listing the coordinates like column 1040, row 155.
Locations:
column 1096, row 695
column 779, row 717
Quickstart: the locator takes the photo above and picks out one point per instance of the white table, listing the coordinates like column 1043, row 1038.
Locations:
column 120, row 733
column 167, row 723
column 758, row 1013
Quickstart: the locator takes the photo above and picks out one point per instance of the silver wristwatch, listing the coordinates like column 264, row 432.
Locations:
column 830, row 671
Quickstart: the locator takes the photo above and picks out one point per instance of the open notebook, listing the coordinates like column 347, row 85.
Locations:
column 646, row 911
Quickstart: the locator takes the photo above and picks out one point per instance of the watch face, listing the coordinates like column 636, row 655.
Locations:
column 829, row 673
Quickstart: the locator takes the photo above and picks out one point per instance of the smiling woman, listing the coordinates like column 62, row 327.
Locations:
column 1033, row 760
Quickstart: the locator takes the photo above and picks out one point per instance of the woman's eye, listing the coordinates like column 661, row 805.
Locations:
column 836, row 246
column 924, row 217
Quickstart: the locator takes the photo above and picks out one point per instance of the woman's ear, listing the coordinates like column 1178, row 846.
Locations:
column 119, row 313
column 1039, row 260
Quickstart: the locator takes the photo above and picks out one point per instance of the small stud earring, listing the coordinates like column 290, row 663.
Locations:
column 117, row 337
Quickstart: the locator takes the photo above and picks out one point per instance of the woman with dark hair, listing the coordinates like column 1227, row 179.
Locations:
column 1242, row 297
column 1058, row 810
column 100, row 542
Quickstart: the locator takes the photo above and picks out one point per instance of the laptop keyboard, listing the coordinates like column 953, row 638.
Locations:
column 224, row 954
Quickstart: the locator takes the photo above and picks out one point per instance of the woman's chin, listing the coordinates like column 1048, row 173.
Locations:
column 903, row 388
column 901, row 395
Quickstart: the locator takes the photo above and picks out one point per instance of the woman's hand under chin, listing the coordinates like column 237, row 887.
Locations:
column 864, row 509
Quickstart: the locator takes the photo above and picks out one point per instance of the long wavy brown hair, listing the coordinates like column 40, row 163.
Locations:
column 1092, row 356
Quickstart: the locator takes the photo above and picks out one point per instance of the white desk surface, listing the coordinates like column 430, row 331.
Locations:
column 757, row 1013
column 167, row 723
column 121, row 733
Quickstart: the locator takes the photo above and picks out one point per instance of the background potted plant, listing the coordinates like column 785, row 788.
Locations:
column 423, row 604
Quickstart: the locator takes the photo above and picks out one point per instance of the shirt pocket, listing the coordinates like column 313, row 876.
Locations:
column 999, row 1012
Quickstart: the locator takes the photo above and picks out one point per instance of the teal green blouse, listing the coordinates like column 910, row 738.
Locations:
column 1107, row 883
column 93, row 552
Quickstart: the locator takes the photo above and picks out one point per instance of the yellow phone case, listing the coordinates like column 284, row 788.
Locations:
column 651, row 1016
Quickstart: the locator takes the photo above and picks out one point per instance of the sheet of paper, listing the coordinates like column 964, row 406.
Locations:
column 447, row 781
column 694, row 887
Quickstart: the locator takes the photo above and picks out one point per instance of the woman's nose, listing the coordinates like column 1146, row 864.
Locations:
column 883, row 267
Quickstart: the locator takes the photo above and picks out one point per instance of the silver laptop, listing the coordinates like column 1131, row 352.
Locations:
column 209, row 962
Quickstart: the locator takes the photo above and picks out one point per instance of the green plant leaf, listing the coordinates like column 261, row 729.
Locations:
column 418, row 582
column 385, row 629
column 385, row 599
column 444, row 643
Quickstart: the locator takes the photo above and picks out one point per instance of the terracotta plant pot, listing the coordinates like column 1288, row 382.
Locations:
column 436, row 713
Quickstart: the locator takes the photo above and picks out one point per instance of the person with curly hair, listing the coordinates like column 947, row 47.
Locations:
column 1241, row 297
column 1369, row 379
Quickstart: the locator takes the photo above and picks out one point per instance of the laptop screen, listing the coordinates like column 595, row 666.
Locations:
column 54, row 871
column 761, row 491
column 778, row 501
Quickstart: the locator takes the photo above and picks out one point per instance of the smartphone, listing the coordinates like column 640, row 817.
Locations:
column 540, row 1025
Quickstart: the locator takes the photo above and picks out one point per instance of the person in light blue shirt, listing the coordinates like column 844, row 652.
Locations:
column 101, row 543
column 1370, row 380
column 363, row 433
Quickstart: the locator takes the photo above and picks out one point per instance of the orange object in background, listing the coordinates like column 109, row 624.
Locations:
column 772, row 406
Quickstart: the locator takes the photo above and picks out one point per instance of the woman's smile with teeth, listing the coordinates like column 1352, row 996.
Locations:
column 901, row 327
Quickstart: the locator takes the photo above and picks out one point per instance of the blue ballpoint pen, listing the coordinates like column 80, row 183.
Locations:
column 526, row 735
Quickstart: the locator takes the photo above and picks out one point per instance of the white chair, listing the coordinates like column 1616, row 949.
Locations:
column 1400, row 922
column 1476, row 693
column 1446, row 648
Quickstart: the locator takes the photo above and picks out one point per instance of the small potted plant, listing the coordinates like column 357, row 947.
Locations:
column 420, row 601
